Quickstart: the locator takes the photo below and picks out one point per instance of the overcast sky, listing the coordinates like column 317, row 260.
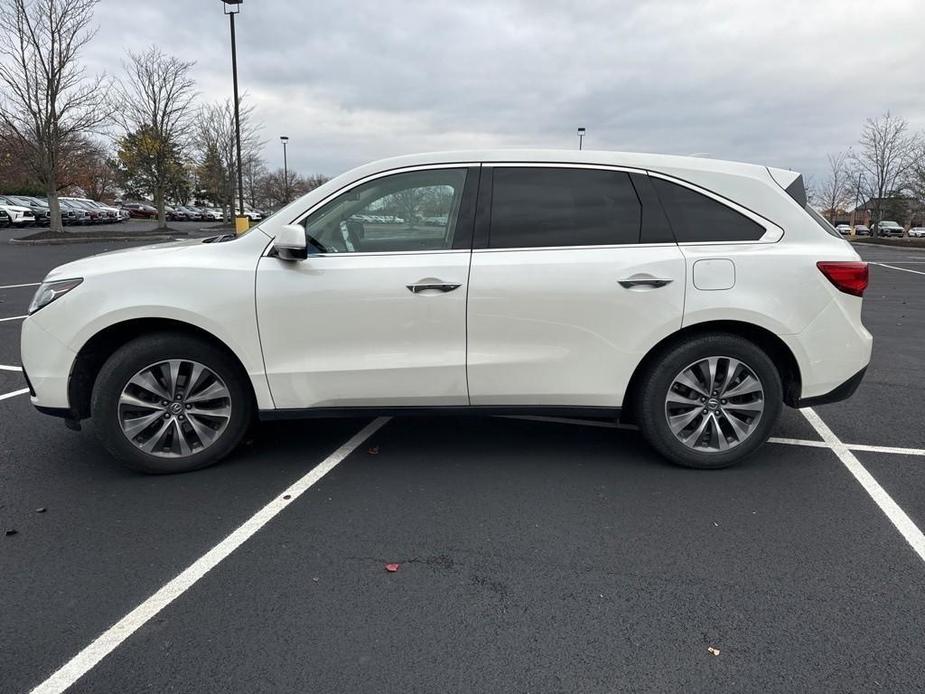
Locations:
column 780, row 82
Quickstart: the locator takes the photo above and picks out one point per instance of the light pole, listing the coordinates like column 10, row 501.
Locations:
column 232, row 7
column 285, row 141
column 581, row 136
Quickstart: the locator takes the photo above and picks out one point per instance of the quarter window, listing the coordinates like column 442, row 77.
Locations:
column 541, row 207
column 413, row 211
column 695, row 218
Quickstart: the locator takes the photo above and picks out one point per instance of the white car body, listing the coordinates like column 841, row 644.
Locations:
column 917, row 232
column 532, row 327
column 19, row 216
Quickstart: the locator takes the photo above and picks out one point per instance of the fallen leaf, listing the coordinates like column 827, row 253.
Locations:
column 41, row 510
column 713, row 651
column 374, row 450
column 287, row 496
column 391, row 568
column 11, row 531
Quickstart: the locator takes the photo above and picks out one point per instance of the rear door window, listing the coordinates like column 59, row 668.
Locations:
column 537, row 207
column 696, row 218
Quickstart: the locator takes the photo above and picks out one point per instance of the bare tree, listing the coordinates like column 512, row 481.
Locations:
column 835, row 192
column 886, row 154
column 155, row 107
column 46, row 100
column 214, row 142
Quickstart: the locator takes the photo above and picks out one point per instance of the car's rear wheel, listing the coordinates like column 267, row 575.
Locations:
column 170, row 403
column 710, row 402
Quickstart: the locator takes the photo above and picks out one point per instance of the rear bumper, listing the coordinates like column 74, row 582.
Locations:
column 837, row 394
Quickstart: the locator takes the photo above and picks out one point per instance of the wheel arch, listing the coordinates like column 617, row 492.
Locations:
column 777, row 350
column 94, row 353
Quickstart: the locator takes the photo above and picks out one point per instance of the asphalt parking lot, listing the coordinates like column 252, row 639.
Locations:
column 534, row 555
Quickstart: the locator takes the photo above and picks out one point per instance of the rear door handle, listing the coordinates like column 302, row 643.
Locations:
column 654, row 282
column 438, row 287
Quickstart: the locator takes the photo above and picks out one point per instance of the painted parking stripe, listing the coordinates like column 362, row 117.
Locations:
column 774, row 439
column 14, row 394
column 909, row 530
column 4, row 367
column 17, row 286
column 84, row 661
column 901, row 269
column 13, row 318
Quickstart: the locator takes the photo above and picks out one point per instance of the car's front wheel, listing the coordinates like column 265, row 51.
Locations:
column 710, row 401
column 170, row 403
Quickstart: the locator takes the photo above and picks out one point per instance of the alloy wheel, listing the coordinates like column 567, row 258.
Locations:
column 714, row 404
column 174, row 408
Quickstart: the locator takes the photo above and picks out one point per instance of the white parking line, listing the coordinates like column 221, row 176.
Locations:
column 897, row 516
column 17, row 286
column 84, row 661
column 901, row 269
column 13, row 318
column 790, row 442
column 3, row 367
column 14, row 394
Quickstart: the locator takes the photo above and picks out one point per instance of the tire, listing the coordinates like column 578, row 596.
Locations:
column 732, row 427
column 192, row 434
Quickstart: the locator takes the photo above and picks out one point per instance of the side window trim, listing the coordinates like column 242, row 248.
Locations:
column 772, row 234
column 465, row 215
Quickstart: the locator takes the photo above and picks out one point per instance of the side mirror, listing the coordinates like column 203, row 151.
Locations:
column 290, row 243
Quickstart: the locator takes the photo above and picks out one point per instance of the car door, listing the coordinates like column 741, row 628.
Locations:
column 376, row 315
column 575, row 276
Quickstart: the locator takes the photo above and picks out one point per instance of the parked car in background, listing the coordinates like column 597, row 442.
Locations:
column 174, row 214
column 39, row 210
column 844, row 229
column 861, row 230
column 20, row 215
column 211, row 214
column 75, row 213
column 111, row 214
column 192, row 214
column 889, row 228
column 695, row 296
column 97, row 216
column 917, row 232
column 138, row 210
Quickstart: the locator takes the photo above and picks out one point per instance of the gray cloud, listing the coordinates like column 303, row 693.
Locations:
column 780, row 83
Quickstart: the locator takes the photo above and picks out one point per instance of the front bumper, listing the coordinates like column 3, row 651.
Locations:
column 48, row 363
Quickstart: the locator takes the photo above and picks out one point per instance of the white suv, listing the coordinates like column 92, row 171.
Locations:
column 692, row 296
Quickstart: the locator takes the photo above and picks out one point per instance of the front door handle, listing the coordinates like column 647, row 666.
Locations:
column 437, row 286
column 654, row 282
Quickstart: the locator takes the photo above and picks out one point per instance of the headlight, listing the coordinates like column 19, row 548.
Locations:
column 49, row 291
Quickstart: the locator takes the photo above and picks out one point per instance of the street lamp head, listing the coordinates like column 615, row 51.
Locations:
column 232, row 6
column 283, row 139
column 581, row 131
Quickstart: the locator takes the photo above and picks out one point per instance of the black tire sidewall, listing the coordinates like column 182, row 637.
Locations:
column 660, row 376
column 144, row 351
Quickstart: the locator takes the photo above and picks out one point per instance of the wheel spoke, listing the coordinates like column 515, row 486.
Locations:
column 691, row 439
column 215, row 390
column 173, row 377
column 739, row 427
column 675, row 398
column 687, row 379
column 153, row 442
column 731, row 369
column 206, row 434
column 135, row 425
column 748, row 386
column 146, row 381
column 756, row 406
column 179, row 436
column 721, row 441
column 218, row 412
column 131, row 401
column 680, row 421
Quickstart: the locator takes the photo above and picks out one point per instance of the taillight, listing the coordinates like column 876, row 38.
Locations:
column 847, row 276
